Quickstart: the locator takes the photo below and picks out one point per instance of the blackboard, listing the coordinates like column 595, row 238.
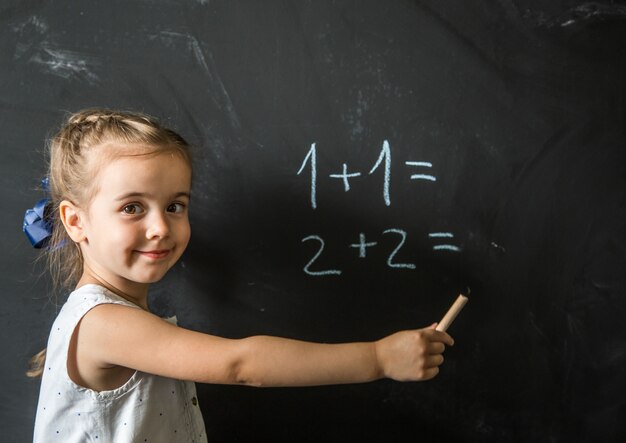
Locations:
column 357, row 165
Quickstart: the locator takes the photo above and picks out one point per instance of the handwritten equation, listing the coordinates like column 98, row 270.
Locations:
column 420, row 170
column 384, row 160
column 362, row 246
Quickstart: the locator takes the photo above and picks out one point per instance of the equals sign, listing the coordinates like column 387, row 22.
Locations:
column 444, row 247
column 428, row 177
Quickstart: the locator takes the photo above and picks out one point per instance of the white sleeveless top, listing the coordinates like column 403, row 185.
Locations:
column 147, row 408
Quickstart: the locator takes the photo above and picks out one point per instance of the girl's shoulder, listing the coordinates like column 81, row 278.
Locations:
column 83, row 299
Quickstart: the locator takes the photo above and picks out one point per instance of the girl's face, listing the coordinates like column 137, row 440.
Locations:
column 137, row 226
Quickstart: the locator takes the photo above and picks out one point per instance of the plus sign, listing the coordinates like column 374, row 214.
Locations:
column 345, row 176
column 362, row 245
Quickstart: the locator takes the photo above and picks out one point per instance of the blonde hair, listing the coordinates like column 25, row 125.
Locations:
column 83, row 145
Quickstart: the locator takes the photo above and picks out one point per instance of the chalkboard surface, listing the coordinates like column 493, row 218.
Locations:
column 357, row 165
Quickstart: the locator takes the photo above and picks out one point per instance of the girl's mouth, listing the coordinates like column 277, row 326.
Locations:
column 156, row 254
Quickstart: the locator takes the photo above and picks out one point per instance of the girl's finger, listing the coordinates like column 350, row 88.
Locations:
column 429, row 373
column 441, row 336
column 433, row 361
column 436, row 347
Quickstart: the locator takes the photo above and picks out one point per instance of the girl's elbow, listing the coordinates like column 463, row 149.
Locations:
column 242, row 377
column 244, row 370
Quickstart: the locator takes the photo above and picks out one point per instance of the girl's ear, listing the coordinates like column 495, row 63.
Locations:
column 72, row 220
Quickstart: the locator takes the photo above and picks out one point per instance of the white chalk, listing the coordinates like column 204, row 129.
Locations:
column 454, row 310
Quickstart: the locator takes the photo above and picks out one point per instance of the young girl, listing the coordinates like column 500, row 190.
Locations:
column 113, row 372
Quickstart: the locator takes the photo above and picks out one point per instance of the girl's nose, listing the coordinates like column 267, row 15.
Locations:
column 157, row 227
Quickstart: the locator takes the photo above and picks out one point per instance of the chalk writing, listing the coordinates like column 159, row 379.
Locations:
column 384, row 161
column 443, row 242
column 385, row 154
column 312, row 155
column 316, row 256
column 395, row 251
column 362, row 245
column 345, row 176
column 422, row 176
column 443, row 247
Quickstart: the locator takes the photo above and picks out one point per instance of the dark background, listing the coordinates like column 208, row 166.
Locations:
column 518, row 105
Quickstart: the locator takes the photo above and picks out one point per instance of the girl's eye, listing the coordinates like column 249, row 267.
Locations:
column 133, row 209
column 176, row 207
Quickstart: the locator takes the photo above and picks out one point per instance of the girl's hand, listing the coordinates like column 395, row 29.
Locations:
column 412, row 355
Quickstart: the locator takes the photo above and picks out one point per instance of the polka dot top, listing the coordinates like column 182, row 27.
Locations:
column 147, row 408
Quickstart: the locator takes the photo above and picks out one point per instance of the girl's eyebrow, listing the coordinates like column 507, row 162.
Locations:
column 148, row 195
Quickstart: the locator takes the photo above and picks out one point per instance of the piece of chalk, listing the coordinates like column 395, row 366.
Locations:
column 454, row 310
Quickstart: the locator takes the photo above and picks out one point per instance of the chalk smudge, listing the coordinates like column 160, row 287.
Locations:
column 34, row 23
column 66, row 64
column 35, row 47
column 498, row 247
column 586, row 13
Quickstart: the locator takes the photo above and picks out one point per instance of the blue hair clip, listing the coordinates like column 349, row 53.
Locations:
column 37, row 226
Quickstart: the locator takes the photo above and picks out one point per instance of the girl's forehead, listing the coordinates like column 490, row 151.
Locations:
column 162, row 173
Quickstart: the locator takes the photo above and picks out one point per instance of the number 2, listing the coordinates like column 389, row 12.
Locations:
column 316, row 256
column 395, row 251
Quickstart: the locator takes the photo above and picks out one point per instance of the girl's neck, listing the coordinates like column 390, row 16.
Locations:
column 138, row 294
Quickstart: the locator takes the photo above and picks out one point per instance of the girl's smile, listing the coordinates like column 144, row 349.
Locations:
column 156, row 255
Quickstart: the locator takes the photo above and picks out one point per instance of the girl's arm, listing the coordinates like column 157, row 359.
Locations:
column 114, row 335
